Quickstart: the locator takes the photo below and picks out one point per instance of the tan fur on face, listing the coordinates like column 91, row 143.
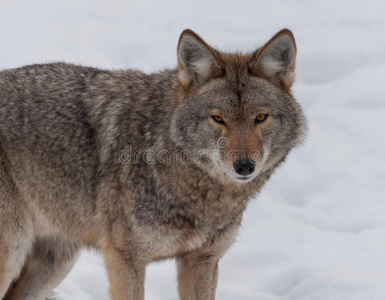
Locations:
column 244, row 142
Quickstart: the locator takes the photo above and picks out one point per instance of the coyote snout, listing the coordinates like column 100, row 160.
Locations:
column 243, row 151
column 242, row 167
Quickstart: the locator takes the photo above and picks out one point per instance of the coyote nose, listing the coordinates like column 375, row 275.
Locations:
column 244, row 167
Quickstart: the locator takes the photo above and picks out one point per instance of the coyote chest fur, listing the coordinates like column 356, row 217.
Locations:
column 141, row 166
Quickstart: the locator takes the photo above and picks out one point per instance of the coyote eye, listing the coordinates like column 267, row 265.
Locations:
column 261, row 118
column 218, row 119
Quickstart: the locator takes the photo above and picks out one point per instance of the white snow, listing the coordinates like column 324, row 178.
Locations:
column 317, row 231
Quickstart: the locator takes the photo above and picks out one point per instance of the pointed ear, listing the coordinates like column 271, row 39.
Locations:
column 197, row 61
column 275, row 61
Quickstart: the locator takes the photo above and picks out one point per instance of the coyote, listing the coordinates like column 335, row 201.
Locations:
column 143, row 167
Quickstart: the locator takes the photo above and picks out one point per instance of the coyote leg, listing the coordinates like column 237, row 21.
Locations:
column 15, row 231
column 50, row 261
column 125, row 273
column 197, row 276
column 198, row 270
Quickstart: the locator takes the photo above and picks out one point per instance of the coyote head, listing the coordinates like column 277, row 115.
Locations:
column 235, row 112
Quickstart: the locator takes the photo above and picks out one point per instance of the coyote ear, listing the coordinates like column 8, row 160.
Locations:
column 275, row 61
column 197, row 61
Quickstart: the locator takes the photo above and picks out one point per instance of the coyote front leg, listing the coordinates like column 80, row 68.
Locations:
column 126, row 274
column 198, row 270
column 197, row 276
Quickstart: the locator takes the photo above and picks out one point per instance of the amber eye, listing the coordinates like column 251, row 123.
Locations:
column 260, row 118
column 218, row 119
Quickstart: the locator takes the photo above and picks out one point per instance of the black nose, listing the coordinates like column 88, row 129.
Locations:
column 244, row 167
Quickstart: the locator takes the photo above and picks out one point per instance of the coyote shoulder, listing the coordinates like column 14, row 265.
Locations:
column 143, row 167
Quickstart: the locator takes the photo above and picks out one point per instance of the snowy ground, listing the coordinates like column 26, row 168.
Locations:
column 317, row 231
